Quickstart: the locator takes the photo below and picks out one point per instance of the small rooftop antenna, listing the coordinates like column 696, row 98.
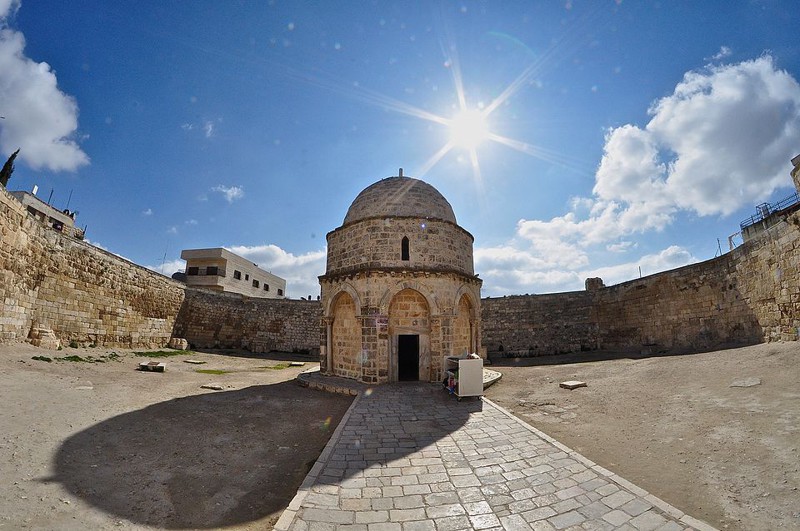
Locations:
column 401, row 172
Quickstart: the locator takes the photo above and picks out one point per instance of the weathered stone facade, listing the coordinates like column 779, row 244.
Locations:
column 399, row 282
column 372, row 297
column 536, row 325
column 229, row 320
column 749, row 295
column 53, row 281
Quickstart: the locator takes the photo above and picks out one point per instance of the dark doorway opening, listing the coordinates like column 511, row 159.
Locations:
column 408, row 358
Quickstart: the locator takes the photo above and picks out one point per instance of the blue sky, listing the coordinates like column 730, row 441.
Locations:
column 617, row 135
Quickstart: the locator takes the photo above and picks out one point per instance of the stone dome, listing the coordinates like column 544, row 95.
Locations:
column 400, row 197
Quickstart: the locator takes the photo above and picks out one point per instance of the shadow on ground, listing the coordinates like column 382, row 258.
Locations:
column 202, row 461
column 498, row 360
column 273, row 355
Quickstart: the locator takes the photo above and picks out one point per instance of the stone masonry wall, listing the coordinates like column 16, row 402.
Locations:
column 749, row 295
column 376, row 243
column 227, row 320
column 82, row 293
column 91, row 296
column 535, row 325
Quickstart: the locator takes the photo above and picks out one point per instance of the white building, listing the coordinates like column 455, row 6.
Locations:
column 220, row 270
column 62, row 221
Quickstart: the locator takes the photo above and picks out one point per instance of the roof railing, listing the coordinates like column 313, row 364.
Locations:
column 766, row 209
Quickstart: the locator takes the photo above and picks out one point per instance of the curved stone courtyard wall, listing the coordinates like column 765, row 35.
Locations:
column 86, row 294
column 228, row 320
column 81, row 292
column 749, row 295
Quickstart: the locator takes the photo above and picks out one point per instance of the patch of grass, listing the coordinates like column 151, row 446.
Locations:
column 73, row 344
column 212, row 371
column 277, row 367
column 75, row 358
column 163, row 353
column 112, row 356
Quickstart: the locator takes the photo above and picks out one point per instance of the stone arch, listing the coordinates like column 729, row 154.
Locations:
column 466, row 291
column 409, row 317
column 345, row 288
column 345, row 337
column 390, row 293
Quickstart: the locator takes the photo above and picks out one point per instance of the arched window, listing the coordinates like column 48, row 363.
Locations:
column 404, row 249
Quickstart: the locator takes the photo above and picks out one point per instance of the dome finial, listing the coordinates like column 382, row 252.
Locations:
column 401, row 173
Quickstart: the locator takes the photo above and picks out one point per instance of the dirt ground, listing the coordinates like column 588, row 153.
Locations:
column 676, row 426
column 102, row 445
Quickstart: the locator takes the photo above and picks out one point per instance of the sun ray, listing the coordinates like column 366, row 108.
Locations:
column 540, row 153
column 477, row 176
column 434, row 159
column 564, row 46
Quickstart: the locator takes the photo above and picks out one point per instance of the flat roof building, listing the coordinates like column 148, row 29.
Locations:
column 62, row 221
column 219, row 269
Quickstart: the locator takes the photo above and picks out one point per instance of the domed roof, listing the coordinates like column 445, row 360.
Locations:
column 400, row 197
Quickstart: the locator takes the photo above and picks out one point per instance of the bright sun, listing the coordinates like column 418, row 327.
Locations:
column 468, row 129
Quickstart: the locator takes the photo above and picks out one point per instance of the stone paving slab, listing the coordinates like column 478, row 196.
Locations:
column 409, row 457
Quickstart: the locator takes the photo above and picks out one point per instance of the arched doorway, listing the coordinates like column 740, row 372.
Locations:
column 409, row 330
column 345, row 340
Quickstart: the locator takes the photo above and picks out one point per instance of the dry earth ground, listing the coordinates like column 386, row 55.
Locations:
column 101, row 445
column 104, row 446
column 676, row 427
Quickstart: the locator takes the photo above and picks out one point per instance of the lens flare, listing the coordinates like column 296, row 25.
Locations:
column 468, row 129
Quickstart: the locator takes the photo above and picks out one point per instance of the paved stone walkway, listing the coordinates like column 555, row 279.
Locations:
column 409, row 457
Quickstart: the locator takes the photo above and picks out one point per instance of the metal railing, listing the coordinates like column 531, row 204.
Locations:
column 765, row 210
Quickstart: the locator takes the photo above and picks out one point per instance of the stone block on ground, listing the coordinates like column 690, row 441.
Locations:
column 44, row 338
column 572, row 384
column 178, row 343
column 153, row 366
column 746, row 382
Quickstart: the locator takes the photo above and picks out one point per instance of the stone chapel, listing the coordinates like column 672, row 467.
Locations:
column 399, row 291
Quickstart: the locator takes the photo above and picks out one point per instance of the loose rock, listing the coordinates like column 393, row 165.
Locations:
column 746, row 382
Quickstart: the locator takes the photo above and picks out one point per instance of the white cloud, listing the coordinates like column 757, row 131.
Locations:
column 208, row 128
column 508, row 270
column 670, row 258
column 190, row 222
column 724, row 51
column 621, row 247
column 722, row 140
column 8, row 8
column 187, row 127
column 300, row 271
column 168, row 268
column 147, row 212
column 39, row 119
column 231, row 193
column 172, row 230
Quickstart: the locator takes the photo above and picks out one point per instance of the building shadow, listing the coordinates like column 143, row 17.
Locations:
column 202, row 461
column 273, row 355
column 498, row 360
